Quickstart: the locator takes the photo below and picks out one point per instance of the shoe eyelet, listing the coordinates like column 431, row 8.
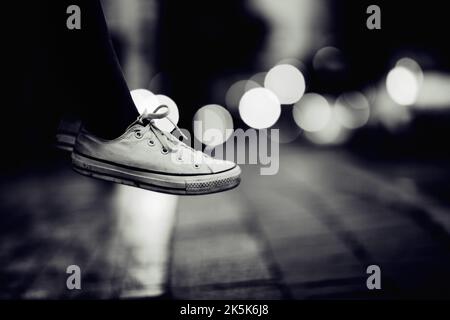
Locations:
column 138, row 134
column 196, row 166
column 164, row 151
column 151, row 143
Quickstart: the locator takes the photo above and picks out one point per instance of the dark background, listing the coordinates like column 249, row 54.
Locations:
column 192, row 49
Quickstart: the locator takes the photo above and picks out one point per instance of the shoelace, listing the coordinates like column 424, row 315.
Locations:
column 168, row 142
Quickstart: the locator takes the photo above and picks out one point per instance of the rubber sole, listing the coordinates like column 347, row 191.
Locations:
column 165, row 183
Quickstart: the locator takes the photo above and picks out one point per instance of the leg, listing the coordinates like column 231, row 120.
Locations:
column 94, row 74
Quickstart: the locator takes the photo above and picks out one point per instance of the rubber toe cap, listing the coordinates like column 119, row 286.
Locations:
column 217, row 166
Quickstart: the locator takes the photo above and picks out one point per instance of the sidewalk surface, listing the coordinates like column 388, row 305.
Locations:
column 312, row 230
column 118, row 236
column 308, row 232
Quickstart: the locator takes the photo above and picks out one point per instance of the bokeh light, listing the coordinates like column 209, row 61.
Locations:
column 213, row 125
column 257, row 78
column 259, row 108
column 287, row 82
column 174, row 115
column 404, row 81
column 329, row 59
column 236, row 91
column 435, row 91
column 392, row 116
column 352, row 110
column 412, row 66
column 331, row 134
column 144, row 100
column 312, row 112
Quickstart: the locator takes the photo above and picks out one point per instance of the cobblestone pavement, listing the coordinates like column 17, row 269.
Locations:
column 311, row 231
column 308, row 232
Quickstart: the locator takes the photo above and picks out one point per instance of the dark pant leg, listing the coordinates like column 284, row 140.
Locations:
column 52, row 70
column 93, row 73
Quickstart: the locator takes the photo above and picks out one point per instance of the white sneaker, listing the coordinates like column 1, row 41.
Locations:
column 147, row 157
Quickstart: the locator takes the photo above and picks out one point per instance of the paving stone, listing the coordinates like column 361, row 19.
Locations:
column 224, row 258
column 315, row 258
column 209, row 211
column 287, row 224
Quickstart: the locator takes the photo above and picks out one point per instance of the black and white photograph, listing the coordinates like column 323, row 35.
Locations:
column 249, row 151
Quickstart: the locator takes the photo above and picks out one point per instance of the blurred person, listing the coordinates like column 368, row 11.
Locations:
column 82, row 79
